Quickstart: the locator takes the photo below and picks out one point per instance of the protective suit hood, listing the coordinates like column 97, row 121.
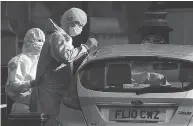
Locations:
column 33, row 41
column 74, row 14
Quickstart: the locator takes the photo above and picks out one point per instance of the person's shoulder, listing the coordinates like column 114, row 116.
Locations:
column 21, row 58
column 56, row 34
column 61, row 35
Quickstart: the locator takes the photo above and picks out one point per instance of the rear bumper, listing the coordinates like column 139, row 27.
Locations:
column 142, row 124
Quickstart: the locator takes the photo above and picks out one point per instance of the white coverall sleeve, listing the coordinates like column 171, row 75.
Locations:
column 63, row 51
column 17, row 71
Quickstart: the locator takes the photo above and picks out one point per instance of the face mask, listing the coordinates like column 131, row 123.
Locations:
column 34, row 48
column 38, row 47
column 74, row 31
column 40, row 44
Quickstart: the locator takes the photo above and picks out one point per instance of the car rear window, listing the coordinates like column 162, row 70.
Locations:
column 134, row 73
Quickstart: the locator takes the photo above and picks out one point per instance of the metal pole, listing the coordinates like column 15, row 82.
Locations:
column 29, row 11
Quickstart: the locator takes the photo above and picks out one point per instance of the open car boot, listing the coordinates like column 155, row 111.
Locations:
column 71, row 99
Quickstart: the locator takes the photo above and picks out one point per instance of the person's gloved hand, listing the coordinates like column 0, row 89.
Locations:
column 32, row 83
column 91, row 42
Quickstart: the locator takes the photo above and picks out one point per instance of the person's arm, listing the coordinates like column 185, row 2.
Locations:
column 63, row 51
column 16, row 77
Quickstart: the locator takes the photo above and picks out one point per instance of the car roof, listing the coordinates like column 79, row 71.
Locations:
column 183, row 52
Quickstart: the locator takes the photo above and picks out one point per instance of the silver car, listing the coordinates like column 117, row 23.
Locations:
column 137, row 84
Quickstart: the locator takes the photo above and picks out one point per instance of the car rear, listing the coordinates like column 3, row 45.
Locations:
column 134, row 90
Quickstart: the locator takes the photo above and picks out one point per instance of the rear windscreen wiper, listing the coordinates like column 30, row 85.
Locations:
column 111, row 88
column 160, row 89
column 149, row 89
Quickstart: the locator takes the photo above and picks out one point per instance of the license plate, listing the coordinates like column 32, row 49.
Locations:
column 137, row 114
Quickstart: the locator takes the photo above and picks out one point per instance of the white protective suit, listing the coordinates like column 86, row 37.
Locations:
column 22, row 70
